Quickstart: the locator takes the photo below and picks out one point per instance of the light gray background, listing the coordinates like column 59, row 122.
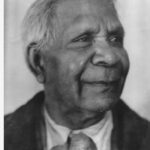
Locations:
column 20, row 85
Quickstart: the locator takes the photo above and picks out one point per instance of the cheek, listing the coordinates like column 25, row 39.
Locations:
column 72, row 64
column 51, row 71
column 69, row 74
column 62, row 72
column 73, row 67
column 125, row 62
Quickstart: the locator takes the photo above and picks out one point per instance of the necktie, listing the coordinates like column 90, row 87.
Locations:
column 77, row 142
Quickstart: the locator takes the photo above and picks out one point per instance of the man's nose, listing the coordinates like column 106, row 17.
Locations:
column 104, row 56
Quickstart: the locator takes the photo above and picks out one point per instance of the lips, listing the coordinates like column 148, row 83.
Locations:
column 100, row 82
column 101, row 86
column 105, row 85
column 101, row 76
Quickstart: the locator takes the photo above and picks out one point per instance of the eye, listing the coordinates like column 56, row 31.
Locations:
column 82, row 41
column 83, row 38
column 116, row 40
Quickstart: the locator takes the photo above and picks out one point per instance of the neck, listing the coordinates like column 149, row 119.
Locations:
column 73, row 118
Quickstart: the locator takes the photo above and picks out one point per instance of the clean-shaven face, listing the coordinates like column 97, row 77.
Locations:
column 87, row 65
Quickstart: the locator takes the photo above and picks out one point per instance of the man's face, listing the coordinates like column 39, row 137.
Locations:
column 87, row 65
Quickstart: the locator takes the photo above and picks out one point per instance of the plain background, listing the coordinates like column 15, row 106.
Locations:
column 20, row 84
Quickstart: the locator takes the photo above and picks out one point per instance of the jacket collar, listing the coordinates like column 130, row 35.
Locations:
column 128, row 132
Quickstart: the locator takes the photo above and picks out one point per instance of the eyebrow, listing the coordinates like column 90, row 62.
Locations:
column 88, row 31
column 116, row 31
column 85, row 31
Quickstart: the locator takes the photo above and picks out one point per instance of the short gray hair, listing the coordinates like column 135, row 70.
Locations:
column 39, row 27
column 38, row 24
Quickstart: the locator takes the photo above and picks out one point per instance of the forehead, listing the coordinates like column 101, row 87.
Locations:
column 97, row 11
column 85, row 6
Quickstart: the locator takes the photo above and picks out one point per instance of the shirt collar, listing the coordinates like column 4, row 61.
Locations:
column 58, row 134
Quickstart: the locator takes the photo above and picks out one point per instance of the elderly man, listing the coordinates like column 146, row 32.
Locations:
column 75, row 49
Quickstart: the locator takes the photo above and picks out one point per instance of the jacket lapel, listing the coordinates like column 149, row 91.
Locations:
column 25, row 128
column 129, row 129
column 128, row 132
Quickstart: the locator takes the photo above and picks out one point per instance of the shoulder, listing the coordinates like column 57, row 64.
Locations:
column 20, row 125
column 25, row 112
column 134, row 130
column 125, row 113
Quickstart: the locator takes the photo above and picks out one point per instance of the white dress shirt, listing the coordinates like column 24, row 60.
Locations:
column 100, row 132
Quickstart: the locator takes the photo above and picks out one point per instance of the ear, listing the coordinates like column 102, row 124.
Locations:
column 35, row 62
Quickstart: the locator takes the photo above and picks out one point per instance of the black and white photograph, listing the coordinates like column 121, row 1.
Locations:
column 76, row 75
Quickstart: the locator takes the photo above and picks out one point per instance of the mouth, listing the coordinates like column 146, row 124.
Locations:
column 101, row 86
column 99, row 82
column 106, row 83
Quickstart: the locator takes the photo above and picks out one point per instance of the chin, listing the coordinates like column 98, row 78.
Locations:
column 99, row 104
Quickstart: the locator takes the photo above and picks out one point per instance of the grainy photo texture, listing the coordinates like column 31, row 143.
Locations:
column 77, row 75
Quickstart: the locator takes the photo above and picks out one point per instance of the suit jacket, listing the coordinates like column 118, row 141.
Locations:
column 23, row 128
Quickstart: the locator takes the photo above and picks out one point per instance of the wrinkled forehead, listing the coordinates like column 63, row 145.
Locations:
column 71, row 10
column 85, row 5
